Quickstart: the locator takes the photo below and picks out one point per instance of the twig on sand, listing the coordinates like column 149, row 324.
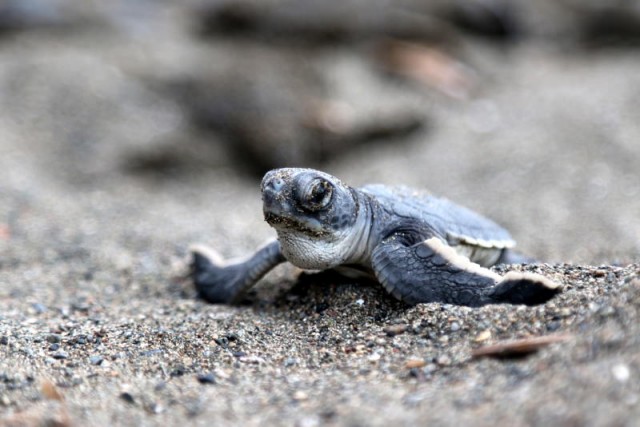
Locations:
column 519, row 347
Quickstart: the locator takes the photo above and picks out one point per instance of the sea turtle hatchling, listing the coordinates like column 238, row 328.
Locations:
column 420, row 247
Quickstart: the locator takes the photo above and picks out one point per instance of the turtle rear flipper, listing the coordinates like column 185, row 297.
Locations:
column 219, row 281
column 431, row 271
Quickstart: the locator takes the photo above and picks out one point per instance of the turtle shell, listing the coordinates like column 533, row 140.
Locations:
column 458, row 225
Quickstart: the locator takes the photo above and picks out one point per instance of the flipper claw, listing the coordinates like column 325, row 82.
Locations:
column 524, row 288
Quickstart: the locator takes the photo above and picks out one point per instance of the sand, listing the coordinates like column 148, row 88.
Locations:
column 99, row 326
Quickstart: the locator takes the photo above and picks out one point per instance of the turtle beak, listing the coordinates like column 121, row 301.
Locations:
column 272, row 195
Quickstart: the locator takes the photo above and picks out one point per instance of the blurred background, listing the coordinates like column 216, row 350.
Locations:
column 136, row 127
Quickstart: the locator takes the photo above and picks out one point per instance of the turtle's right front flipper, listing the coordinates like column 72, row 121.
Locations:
column 431, row 271
column 219, row 281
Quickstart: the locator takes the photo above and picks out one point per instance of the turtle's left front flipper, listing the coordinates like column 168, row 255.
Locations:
column 431, row 271
column 219, row 281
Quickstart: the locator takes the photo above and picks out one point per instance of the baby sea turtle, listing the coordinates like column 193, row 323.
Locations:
column 420, row 247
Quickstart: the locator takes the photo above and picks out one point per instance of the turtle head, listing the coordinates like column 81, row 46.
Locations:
column 313, row 213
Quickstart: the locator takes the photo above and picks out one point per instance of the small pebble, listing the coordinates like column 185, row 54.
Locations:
column 553, row 326
column 455, row 326
column 80, row 306
column 255, row 360
column 621, row 372
column 81, row 340
column 4, row 340
column 430, row 368
column 564, row 312
column 600, row 273
column 300, row 395
column 308, row 421
column 39, row 308
column 54, row 338
column 606, row 311
column 154, row 408
column 151, row 352
column 208, row 378
column 443, row 360
column 127, row 397
column 393, row 330
column 290, row 361
column 54, row 347
column 178, row 371
column 483, row 336
column 61, row 355
column 96, row 360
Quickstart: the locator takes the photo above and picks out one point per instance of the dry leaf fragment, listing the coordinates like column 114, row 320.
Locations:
column 427, row 65
column 483, row 336
column 5, row 232
column 520, row 347
column 50, row 391
column 415, row 363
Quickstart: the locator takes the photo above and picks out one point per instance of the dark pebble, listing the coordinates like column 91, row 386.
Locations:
column 153, row 408
column 206, row 378
column 95, row 360
column 39, row 308
column 4, row 340
column 151, row 352
column 61, row 355
column 80, row 339
column 328, row 414
column 222, row 342
column 393, row 330
column 80, row 306
column 54, row 338
column 321, row 307
column 239, row 354
column 127, row 397
column 54, row 347
column 178, row 371
column 553, row 326
column 232, row 337
column 416, row 373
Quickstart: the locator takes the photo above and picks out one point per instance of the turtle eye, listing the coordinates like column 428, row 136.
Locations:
column 318, row 194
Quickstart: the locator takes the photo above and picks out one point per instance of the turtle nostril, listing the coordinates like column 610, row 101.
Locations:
column 274, row 184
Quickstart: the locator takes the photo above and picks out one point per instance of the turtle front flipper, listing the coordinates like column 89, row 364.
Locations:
column 431, row 271
column 219, row 281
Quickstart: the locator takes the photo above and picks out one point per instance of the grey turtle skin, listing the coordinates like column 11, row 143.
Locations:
column 420, row 247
